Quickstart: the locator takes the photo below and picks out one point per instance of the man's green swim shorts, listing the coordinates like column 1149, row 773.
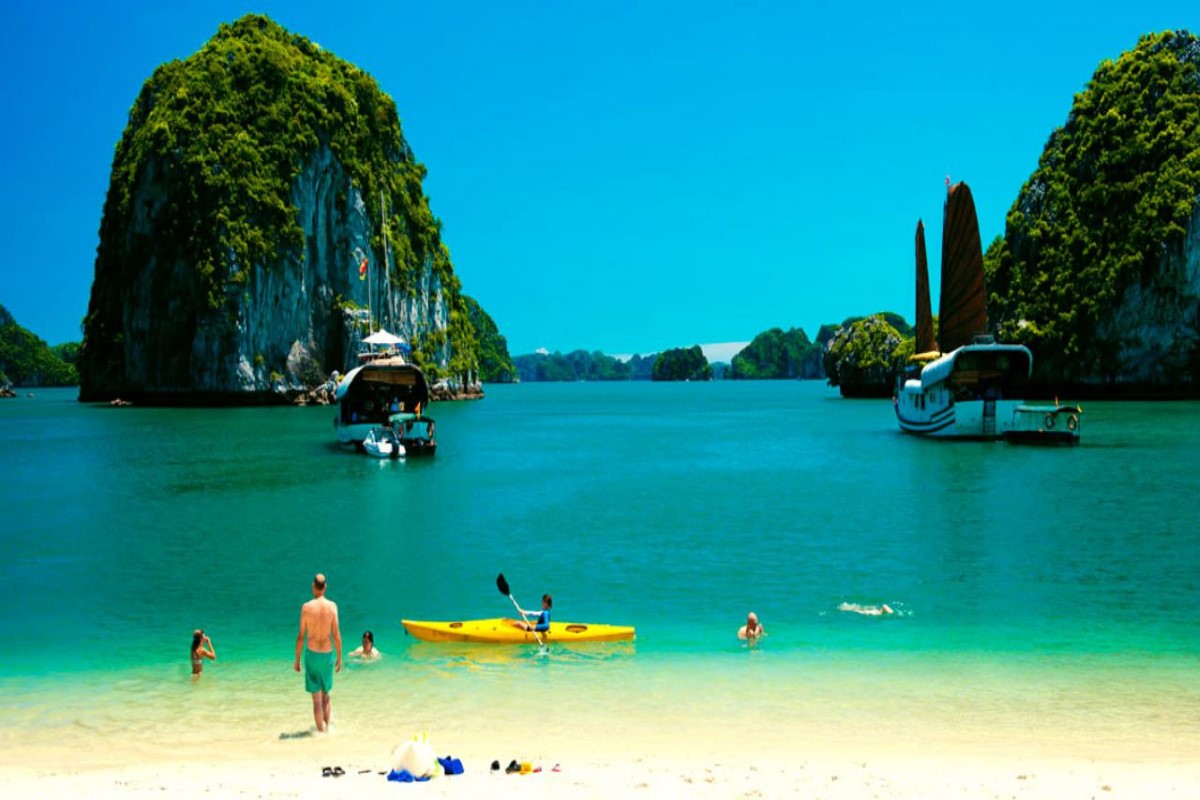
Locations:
column 318, row 671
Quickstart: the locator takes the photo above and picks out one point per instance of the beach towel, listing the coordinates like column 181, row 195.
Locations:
column 404, row 776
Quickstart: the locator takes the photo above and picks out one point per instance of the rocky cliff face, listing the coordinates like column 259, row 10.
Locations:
column 1155, row 328
column 215, row 284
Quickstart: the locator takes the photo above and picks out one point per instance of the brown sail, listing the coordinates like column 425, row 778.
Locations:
column 962, row 312
column 925, row 342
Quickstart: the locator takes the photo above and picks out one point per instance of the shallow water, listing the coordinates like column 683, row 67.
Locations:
column 1046, row 590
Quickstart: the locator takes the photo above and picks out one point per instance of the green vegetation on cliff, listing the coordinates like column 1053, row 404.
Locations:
column 681, row 364
column 777, row 354
column 495, row 364
column 1105, row 216
column 864, row 356
column 26, row 360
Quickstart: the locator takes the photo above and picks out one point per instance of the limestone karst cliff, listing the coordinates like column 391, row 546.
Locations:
column 1098, row 271
column 252, row 182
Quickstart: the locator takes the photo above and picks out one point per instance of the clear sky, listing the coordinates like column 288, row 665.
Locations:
column 616, row 176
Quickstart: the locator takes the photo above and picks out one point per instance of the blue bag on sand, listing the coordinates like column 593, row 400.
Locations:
column 451, row 766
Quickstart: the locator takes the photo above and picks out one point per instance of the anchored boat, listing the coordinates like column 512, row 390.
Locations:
column 513, row 631
column 385, row 392
column 965, row 385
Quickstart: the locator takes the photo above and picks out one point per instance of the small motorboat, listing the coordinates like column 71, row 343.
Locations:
column 513, row 631
column 383, row 443
column 415, row 432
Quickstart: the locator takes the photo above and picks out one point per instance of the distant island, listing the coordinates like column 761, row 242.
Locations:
column 27, row 361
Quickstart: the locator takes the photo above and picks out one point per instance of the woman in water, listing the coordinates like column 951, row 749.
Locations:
column 753, row 630
column 367, row 652
column 201, row 649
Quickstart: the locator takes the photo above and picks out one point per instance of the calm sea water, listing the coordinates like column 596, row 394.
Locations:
column 1059, row 582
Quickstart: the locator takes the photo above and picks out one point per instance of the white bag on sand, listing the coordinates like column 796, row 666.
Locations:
column 416, row 756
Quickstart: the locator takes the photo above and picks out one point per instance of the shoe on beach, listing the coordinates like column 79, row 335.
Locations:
column 495, row 766
column 512, row 767
column 326, row 772
column 526, row 768
column 557, row 768
column 338, row 772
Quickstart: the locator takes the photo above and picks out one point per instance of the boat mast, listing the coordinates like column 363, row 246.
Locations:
column 370, row 321
column 386, row 265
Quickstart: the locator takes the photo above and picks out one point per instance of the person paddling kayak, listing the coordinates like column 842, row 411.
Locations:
column 542, row 623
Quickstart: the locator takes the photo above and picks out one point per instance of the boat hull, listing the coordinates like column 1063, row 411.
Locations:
column 508, row 631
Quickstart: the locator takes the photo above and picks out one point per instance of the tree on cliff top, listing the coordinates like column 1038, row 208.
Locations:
column 1106, row 212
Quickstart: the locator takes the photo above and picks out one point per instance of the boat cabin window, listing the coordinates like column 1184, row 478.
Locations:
column 990, row 375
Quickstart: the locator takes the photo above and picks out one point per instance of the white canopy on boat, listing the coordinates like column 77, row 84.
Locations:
column 383, row 337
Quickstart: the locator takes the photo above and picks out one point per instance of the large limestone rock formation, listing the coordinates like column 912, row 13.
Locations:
column 251, row 183
column 1098, row 271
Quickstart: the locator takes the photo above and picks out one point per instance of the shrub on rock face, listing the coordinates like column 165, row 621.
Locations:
column 864, row 358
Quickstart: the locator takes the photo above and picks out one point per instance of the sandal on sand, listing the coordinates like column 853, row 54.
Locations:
column 512, row 767
column 338, row 772
column 326, row 772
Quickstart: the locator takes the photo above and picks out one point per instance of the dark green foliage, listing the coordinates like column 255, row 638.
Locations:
column 681, row 364
column 495, row 364
column 579, row 365
column 26, row 360
column 1105, row 214
column 777, row 354
column 68, row 352
column 864, row 357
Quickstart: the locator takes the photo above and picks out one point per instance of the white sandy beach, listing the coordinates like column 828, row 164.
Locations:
column 738, row 774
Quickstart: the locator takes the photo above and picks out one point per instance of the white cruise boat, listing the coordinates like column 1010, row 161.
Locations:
column 965, row 385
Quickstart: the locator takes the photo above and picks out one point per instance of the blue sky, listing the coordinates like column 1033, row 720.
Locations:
column 618, row 176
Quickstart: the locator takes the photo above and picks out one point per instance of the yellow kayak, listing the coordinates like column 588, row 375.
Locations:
column 512, row 631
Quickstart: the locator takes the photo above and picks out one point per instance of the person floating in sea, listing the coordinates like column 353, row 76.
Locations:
column 753, row 630
column 871, row 611
column 318, row 637
column 542, row 623
column 201, row 649
column 367, row 651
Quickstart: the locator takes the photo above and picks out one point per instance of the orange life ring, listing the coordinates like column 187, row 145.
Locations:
column 1048, row 422
column 1072, row 422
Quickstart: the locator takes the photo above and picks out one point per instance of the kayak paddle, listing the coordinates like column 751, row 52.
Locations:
column 502, row 585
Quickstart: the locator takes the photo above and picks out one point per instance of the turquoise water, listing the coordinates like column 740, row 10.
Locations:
column 1061, row 581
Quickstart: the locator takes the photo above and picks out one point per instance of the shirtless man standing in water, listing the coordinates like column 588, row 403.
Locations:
column 319, row 627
